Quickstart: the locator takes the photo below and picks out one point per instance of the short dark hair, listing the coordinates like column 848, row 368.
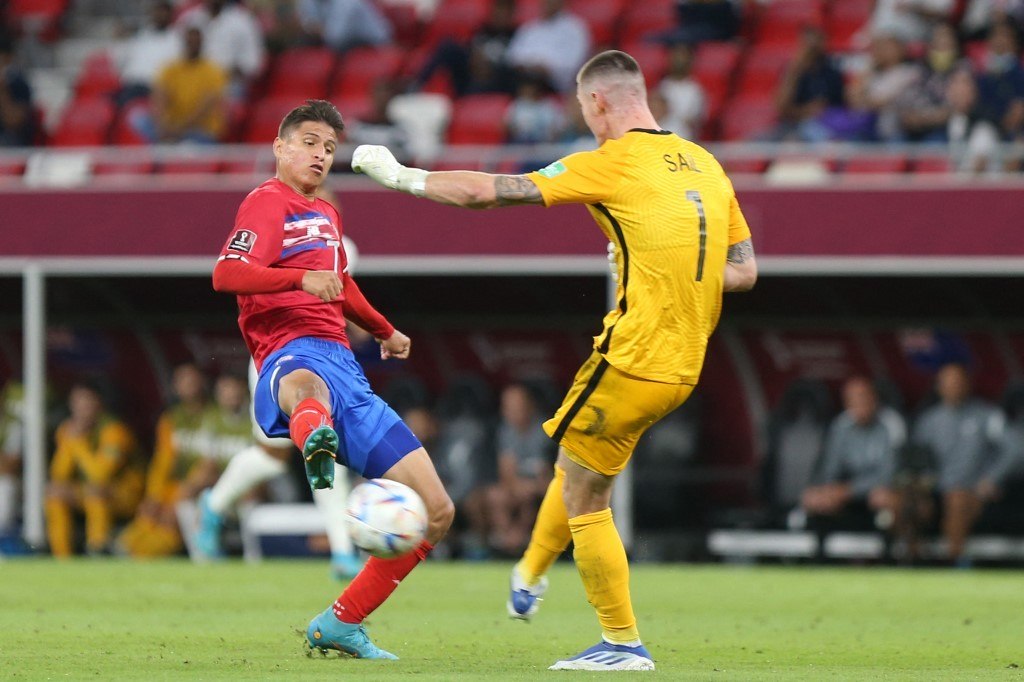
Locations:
column 609, row 62
column 313, row 110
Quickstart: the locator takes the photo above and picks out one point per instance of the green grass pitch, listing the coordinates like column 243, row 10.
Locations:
column 109, row 619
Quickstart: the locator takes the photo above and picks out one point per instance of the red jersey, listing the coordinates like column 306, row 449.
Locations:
column 278, row 236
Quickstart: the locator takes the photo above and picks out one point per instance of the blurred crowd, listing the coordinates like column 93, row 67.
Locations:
column 936, row 71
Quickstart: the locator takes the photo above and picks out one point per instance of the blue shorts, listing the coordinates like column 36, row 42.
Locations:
column 373, row 437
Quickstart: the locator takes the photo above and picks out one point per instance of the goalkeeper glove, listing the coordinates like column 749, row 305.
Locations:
column 380, row 164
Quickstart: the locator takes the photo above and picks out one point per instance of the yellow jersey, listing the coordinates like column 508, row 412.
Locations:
column 672, row 213
column 187, row 85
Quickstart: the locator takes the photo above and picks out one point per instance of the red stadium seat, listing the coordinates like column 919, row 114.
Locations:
column 405, row 25
column 714, row 67
column 781, row 22
column 130, row 166
column 642, row 19
column 601, row 16
column 845, row 19
column 762, row 69
column 527, row 10
column 124, row 133
column 11, row 168
column 456, row 20
column 85, row 123
column 749, row 164
column 652, row 58
column 361, row 68
column 887, row 163
column 98, row 76
column 265, row 118
column 303, row 73
column 37, row 17
column 747, row 117
column 355, row 107
column 205, row 166
column 479, row 119
column 933, row 164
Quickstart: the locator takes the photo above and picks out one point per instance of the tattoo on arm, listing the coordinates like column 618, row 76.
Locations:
column 516, row 189
column 740, row 253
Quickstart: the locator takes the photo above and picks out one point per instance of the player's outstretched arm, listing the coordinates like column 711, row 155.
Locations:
column 468, row 189
column 740, row 267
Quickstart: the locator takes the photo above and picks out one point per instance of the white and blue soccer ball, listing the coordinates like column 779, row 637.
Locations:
column 385, row 518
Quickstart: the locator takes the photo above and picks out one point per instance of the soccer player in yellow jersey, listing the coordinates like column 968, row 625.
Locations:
column 681, row 240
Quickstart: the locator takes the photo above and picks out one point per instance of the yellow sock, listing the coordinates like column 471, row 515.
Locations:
column 98, row 522
column 58, row 527
column 601, row 561
column 550, row 532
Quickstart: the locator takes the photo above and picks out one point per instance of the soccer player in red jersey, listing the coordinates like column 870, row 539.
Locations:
column 285, row 261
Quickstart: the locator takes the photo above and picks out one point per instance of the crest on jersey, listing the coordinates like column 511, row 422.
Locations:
column 557, row 168
column 242, row 241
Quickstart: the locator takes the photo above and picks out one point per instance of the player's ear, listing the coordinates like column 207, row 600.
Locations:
column 278, row 145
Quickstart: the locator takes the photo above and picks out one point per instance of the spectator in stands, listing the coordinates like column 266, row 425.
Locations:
column 227, row 425
column 684, row 97
column 924, row 108
column 377, row 126
column 909, row 20
column 973, row 141
column 344, row 24
column 525, row 463
column 148, row 52
column 810, row 96
column 853, row 486
column 481, row 65
column 232, row 39
column 534, row 117
column 188, row 99
column 179, row 469
column 981, row 15
column 17, row 122
column 964, row 436
column 554, row 45
column 874, row 94
column 1001, row 83
column 11, row 409
column 94, row 470
column 701, row 20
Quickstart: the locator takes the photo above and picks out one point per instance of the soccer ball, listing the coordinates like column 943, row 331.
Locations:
column 385, row 518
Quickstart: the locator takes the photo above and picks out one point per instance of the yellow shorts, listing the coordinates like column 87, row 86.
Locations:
column 605, row 413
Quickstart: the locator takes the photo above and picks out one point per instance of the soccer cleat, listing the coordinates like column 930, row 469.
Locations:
column 605, row 656
column 327, row 633
column 206, row 541
column 344, row 567
column 524, row 600
column 318, row 453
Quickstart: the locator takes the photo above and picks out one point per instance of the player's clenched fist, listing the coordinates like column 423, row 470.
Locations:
column 397, row 346
column 324, row 284
column 380, row 164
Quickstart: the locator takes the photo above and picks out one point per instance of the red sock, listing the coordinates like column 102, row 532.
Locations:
column 308, row 416
column 375, row 583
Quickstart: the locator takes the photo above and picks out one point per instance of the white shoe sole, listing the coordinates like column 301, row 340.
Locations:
column 634, row 663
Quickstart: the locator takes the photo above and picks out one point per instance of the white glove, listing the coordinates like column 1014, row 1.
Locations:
column 380, row 164
column 612, row 264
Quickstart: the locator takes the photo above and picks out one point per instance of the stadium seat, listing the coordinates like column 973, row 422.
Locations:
column 761, row 69
column 527, row 10
column 601, row 16
column 362, row 67
column 845, row 19
column 354, row 107
column 455, row 20
column 11, row 168
column 124, row 133
column 405, row 25
column 130, row 165
column 301, row 73
column 888, row 163
column 780, row 23
column 749, row 164
column 265, row 118
column 932, row 164
column 479, row 119
column 185, row 166
column 747, row 117
column 652, row 58
column 85, row 123
column 642, row 20
column 40, row 18
column 98, row 76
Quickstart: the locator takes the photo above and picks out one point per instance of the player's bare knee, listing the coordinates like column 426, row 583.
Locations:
column 298, row 385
